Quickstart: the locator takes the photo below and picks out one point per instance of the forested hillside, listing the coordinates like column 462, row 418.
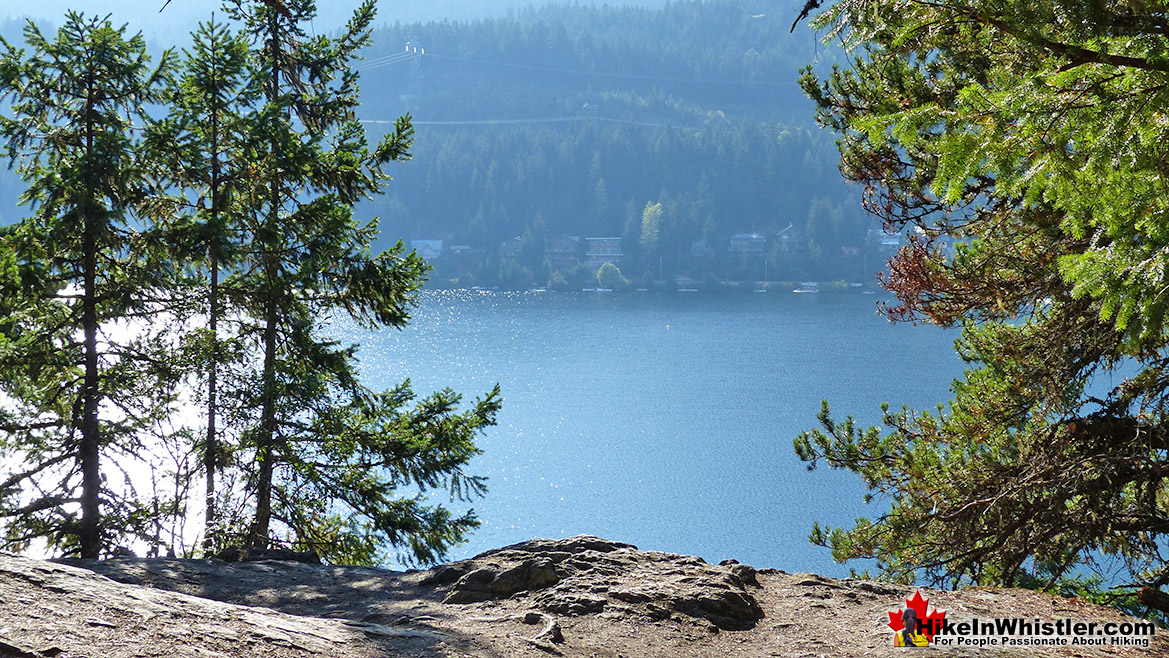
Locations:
column 676, row 64
column 539, row 131
column 550, row 126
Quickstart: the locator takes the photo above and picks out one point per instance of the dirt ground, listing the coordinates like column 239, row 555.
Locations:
column 581, row 597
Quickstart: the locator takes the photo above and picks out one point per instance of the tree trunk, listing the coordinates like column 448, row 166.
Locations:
column 89, row 532
column 258, row 535
column 211, row 531
column 211, row 450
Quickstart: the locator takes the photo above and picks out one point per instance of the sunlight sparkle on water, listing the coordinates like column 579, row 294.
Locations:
column 677, row 441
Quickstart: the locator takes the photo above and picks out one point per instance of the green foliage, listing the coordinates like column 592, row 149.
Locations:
column 1030, row 134
column 668, row 63
column 200, row 149
column 209, row 261
column 573, row 113
column 484, row 187
column 609, row 276
column 651, row 227
column 319, row 446
column 557, row 282
column 73, row 393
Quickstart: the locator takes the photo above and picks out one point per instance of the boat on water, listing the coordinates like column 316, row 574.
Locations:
column 808, row 287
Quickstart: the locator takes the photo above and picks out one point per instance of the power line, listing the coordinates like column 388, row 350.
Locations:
column 385, row 61
column 493, row 122
column 417, row 53
column 412, row 52
column 481, row 122
column 636, row 76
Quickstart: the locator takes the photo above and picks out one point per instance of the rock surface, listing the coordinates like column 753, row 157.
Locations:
column 581, row 597
column 585, row 575
column 60, row 610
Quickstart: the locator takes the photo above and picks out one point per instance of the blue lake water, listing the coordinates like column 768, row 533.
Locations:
column 665, row 420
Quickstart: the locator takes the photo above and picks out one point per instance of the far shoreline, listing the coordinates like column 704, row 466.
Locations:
column 685, row 287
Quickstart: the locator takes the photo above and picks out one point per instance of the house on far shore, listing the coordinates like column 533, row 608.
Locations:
column 603, row 250
column 849, row 252
column 748, row 243
column 560, row 250
column 791, row 240
column 427, row 249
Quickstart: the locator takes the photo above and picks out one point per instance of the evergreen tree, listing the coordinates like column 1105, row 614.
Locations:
column 330, row 455
column 73, row 392
column 1032, row 134
column 200, row 147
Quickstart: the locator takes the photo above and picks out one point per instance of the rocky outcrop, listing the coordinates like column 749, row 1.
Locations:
column 587, row 575
column 494, row 581
column 581, row 597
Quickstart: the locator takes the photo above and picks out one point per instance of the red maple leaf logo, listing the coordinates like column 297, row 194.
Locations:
column 930, row 623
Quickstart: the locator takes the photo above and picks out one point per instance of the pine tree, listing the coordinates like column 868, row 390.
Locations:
column 71, row 390
column 330, row 455
column 200, row 149
column 1032, row 135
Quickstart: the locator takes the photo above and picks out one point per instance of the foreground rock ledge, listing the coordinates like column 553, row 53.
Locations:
column 583, row 596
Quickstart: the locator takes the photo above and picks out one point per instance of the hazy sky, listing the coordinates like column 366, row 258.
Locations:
column 180, row 17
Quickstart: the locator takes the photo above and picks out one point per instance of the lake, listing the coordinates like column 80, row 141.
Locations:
column 665, row 420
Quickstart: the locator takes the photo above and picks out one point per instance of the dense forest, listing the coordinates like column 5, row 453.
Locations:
column 541, row 130
column 547, row 127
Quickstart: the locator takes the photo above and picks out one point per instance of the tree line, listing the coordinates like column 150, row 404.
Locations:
column 507, row 194
column 165, row 308
column 693, row 106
